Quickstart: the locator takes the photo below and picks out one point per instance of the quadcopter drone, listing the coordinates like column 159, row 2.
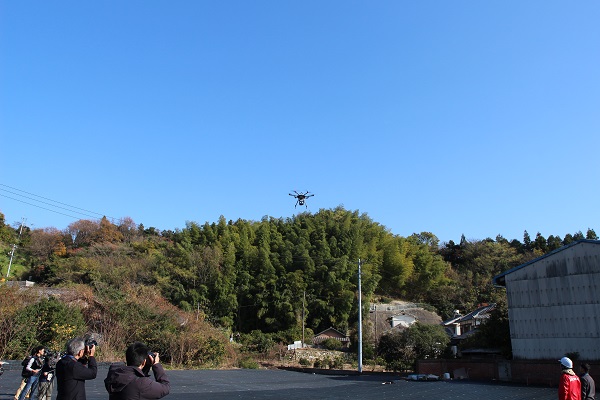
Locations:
column 301, row 198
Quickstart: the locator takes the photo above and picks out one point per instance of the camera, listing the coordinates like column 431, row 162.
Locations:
column 152, row 355
column 90, row 342
column 52, row 357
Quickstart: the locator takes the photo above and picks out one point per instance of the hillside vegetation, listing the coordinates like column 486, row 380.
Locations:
column 187, row 292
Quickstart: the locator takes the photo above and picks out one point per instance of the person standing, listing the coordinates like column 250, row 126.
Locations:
column 31, row 372
column 132, row 382
column 569, row 387
column 76, row 367
column 24, row 379
column 46, row 382
column 588, row 386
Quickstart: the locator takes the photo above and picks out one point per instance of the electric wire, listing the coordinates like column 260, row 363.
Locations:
column 71, row 209
column 43, row 202
column 45, row 198
column 35, row 205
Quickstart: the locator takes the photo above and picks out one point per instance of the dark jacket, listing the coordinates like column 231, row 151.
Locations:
column 35, row 363
column 130, row 383
column 588, row 387
column 71, row 375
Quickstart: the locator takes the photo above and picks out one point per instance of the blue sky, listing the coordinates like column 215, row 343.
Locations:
column 463, row 117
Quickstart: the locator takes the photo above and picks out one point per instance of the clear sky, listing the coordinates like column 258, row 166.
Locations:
column 453, row 117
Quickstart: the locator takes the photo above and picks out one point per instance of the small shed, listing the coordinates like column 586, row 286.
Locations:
column 331, row 333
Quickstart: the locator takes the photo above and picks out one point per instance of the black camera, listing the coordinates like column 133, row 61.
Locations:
column 51, row 358
column 90, row 342
column 152, row 355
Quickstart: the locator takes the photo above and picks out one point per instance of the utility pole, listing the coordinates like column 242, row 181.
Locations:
column 303, row 301
column 375, row 310
column 14, row 246
column 12, row 253
column 359, row 321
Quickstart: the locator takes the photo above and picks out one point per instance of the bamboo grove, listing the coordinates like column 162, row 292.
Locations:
column 273, row 275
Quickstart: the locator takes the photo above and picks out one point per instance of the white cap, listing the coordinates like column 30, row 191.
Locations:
column 566, row 362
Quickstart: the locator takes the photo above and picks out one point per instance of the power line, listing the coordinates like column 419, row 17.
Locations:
column 71, row 208
column 35, row 205
column 45, row 198
column 43, row 202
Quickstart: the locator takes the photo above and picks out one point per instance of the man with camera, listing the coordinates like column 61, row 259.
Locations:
column 132, row 382
column 76, row 367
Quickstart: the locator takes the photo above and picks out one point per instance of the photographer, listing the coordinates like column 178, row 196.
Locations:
column 77, row 366
column 46, row 382
column 132, row 381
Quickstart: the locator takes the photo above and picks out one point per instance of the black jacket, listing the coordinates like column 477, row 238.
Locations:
column 71, row 375
column 130, row 383
column 34, row 363
column 588, row 387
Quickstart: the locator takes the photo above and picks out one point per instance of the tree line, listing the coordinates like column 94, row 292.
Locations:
column 276, row 275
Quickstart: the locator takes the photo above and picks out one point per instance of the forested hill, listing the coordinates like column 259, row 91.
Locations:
column 259, row 275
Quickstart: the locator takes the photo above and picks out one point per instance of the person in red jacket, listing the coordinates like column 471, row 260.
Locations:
column 132, row 382
column 569, row 387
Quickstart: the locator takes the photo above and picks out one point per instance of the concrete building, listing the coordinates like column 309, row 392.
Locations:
column 554, row 303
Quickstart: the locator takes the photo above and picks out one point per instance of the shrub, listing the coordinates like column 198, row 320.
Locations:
column 331, row 344
column 257, row 342
column 47, row 322
column 305, row 362
column 336, row 363
column 248, row 363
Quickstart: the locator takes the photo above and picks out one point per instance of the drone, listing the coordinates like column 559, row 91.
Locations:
column 301, row 198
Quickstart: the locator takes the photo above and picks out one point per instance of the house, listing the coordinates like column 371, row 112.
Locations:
column 554, row 303
column 461, row 326
column 331, row 333
column 403, row 319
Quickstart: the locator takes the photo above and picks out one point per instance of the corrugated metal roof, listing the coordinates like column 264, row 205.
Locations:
column 499, row 280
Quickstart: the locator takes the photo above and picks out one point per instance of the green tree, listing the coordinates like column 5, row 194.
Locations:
column 401, row 350
column 494, row 333
column 427, row 341
column 554, row 242
column 394, row 352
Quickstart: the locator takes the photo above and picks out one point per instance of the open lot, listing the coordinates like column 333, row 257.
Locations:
column 276, row 384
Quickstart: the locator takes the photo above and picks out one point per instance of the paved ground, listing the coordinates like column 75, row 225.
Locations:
column 268, row 384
